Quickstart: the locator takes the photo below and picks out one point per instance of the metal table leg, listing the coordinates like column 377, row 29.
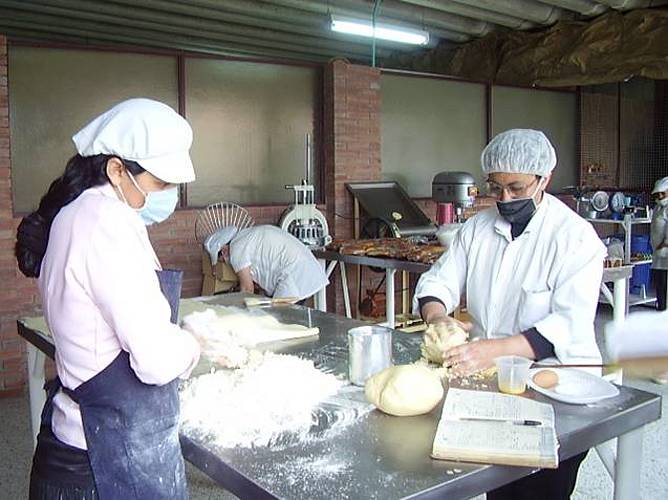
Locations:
column 389, row 296
column 607, row 451
column 627, row 468
column 36, row 359
column 344, row 285
column 619, row 300
column 321, row 295
column 405, row 298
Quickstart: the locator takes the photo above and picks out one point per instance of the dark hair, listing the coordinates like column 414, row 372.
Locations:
column 81, row 173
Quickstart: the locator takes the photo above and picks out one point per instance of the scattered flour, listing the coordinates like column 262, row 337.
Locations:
column 318, row 466
column 253, row 405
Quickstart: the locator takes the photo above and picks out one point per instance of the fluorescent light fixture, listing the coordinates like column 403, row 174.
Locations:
column 382, row 31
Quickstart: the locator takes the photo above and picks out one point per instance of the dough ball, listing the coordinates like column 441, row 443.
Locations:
column 546, row 379
column 404, row 390
column 440, row 337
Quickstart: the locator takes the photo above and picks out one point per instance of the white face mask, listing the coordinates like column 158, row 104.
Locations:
column 158, row 205
column 663, row 202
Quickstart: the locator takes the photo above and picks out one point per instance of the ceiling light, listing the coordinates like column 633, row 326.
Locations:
column 382, row 31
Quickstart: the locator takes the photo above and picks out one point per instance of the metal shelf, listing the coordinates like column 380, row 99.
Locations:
column 627, row 224
column 636, row 300
column 634, row 220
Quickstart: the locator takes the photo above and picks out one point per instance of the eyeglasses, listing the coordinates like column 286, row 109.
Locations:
column 514, row 189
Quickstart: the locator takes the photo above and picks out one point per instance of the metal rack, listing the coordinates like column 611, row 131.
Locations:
column 627, row 224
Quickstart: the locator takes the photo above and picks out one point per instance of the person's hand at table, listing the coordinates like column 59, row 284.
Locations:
column 479, row 355
column 220, row 351
column 474, row 356
column 434, row 313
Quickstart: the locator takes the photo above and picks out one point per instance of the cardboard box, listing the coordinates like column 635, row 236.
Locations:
column 220, row 278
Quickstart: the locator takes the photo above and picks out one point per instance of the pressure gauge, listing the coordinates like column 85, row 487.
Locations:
column 599, row 201
column 617, row 202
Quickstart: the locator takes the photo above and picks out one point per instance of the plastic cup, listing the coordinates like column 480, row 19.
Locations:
column 512, row 373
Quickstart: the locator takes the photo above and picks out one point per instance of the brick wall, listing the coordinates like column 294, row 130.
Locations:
column 352, row 148
column 18, row 295
column 598, row 137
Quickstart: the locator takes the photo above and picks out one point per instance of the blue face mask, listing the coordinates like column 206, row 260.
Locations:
column 158, row 205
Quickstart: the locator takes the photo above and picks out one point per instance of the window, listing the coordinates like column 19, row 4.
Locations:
column 430, row 125
column 553, row 112
column 53, row 93
column 250, row 121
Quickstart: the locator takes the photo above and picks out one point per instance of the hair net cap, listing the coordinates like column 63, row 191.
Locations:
column 660, row 186
column 519, row 151
column 216, row 241
column 142, row 130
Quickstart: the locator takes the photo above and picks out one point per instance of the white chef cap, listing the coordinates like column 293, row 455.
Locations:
column 145, row 131
column 216, row 241
column 519, row 151
column 661, row 186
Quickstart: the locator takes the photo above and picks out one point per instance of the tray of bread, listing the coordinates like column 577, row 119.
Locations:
column 390, row 248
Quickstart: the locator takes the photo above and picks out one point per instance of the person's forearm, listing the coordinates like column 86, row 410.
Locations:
column 517, row 345
column 246, row 280
column 434, row 311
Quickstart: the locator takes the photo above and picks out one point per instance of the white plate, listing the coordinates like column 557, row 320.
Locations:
column 575, row 386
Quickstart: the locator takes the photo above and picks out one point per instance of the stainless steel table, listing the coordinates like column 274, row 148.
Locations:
column 391, row 266
column 617, row 297
column 379, row 456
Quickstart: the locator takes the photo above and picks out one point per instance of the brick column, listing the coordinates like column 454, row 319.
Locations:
column 352, row 136
column 18, row 295
column 352, row 144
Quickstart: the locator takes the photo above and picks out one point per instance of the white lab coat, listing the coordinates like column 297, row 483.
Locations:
column 279, row 263
column 659, row 235
column 547, row 278
column 100, row 294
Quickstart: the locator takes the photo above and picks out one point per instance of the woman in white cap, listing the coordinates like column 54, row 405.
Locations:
column 280, row 264
column 531, row 269
column 659, row 239
column 110, row 423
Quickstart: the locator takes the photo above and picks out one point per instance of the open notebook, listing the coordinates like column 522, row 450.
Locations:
column 493, row 428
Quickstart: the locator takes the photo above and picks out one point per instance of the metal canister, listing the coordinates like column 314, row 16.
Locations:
column 369, row 351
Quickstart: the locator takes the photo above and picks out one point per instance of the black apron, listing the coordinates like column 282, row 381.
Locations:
column 131, row 428
column 59, row 470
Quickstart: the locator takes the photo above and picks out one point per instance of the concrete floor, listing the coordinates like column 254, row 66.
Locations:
column 593, row 481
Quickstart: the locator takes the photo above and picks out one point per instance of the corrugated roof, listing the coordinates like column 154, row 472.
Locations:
column 286, row 29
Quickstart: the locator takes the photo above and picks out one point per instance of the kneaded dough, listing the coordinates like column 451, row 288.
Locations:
column 440, row 337
column 404, row 390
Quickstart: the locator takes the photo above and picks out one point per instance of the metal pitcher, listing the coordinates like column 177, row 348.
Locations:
column 369, row 351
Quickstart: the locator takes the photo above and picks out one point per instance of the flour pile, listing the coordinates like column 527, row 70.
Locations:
column 227, row 333
column 271, row 395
